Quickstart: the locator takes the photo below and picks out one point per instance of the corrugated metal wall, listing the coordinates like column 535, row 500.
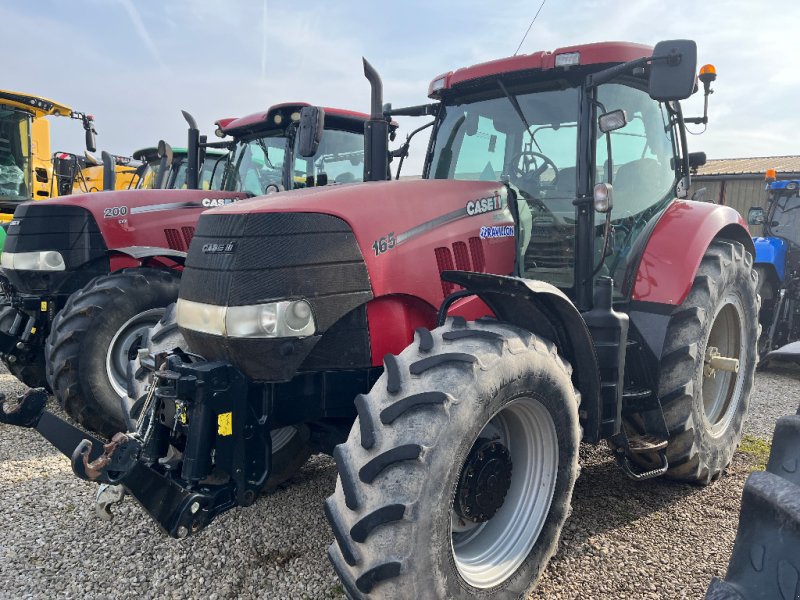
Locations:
column 740, row 194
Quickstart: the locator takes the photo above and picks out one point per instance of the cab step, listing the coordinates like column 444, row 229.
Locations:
column 625, row 446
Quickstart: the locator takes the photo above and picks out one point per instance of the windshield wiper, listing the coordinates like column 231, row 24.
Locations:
column 518, row 109
column 266, row 153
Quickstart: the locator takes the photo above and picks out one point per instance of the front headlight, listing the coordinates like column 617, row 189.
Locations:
column 44, row 260
column 288, row 318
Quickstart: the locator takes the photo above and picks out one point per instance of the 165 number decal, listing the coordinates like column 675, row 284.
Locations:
column 384, row 244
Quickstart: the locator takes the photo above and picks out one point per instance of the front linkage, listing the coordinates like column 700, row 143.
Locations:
column 199, row 447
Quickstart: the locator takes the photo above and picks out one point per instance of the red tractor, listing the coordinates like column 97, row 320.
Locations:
column 452, row 340
column 85, row 277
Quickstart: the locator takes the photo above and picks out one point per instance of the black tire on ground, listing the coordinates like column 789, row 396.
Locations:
column 456, row 388
column 765, row 562
column 94, row 336
column 705, row 415
column 27, row 366
column 292, row 448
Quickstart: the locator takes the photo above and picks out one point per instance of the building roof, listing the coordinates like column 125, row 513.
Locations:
column 757, row 166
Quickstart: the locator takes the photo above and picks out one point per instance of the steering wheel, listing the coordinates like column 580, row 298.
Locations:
column 526, row 176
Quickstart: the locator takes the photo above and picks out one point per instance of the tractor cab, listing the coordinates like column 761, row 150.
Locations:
column 174, row 169
column 777, row 262
column 267, row 155
column 523, row 129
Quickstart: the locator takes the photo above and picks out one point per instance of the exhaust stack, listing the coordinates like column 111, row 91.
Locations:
column 193, row 153
column 376, row 131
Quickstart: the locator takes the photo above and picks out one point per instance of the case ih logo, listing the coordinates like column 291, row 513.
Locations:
column 211, row 202
column 222, row 248
column 484, row 205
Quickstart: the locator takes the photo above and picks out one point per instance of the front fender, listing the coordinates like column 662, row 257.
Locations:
column 545, row 310
column 677, row 245
column 771, row 251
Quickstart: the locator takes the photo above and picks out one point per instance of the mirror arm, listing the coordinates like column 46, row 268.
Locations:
column 421, row 110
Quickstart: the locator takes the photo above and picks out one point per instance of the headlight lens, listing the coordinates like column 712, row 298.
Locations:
column 44, row 260
column 288, row 318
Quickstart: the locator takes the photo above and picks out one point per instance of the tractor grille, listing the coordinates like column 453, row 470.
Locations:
column 244, row 259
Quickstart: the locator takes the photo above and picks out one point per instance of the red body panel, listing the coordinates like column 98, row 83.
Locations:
column 150, row 215
column 432, row 230
column 597, row 53
column 676, row 247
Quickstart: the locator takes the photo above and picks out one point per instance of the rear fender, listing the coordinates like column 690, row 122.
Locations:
column 546, row 311
column 771, row 253
column 677, row 245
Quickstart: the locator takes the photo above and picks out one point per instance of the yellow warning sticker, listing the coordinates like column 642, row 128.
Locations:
column 33, row 330
column 44, row 306
column 225, row 424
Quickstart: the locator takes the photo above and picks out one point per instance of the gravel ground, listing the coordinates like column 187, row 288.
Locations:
column 624, row 540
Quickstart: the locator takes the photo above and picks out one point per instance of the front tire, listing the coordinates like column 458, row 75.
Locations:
column 94, row 336
column 457, row 476
column 705, row 408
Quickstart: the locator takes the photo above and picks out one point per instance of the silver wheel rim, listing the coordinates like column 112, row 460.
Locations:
column 127, row 336
column 722, row 389
column 487, row 554
column 281, row 437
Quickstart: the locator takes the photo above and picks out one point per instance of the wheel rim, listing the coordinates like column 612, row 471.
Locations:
column 722, row 388
column 124, row 345
column 487, row 554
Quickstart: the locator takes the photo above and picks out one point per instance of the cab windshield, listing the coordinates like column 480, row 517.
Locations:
column 784, row 220
column 487, row 140
column 15, row 167
column 258, row 163
column 177, row 177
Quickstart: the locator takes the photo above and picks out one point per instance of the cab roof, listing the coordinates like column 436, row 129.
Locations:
column 588, row 54
column 283, row 112
column 37, row 105
column 151, row 154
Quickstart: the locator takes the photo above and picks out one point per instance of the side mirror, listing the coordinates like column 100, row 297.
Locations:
column 672, row 71
column 165, row 156
column 755, row 215
column 611, row 121
column 696, row 159
column 309, row 133
column 91, row 138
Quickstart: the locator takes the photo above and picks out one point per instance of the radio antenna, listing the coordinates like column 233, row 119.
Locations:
column 529, row 26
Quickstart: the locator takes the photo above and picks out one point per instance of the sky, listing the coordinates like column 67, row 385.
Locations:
column 135, row 64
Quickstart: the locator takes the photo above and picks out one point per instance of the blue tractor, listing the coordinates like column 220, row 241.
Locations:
column 778, row 265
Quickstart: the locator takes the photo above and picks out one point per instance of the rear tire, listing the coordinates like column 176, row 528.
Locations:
column 452, row 398
column 93, row 337
column 291, row 445
column 26, row 366
column 705, row 414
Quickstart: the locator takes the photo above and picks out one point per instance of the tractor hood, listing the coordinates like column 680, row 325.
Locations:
column 85, row 229
column 339, row 248
column 389, row 216
column 124, row 218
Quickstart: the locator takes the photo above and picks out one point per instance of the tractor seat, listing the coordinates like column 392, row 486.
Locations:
column 635, row 185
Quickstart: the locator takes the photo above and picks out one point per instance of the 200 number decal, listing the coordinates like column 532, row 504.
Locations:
column 115, row 211
column 384, row 244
